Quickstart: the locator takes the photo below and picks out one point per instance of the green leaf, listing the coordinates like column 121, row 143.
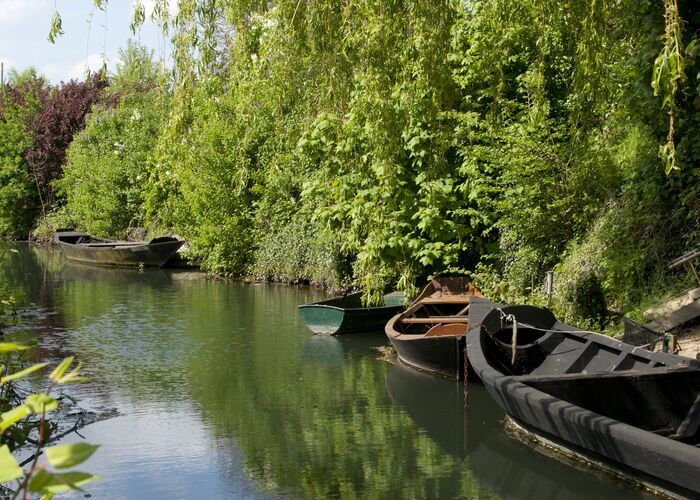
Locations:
column 73, row 376
column 40, row 479
column 64, row 456
column 13, row 416
column 40, row 403
column 9, row 469
column 60, row 370
column 23, row 373
column 9, row 347
column 50, row 483
column 60, row 376
column 56, row 27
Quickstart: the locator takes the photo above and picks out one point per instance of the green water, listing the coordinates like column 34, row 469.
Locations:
column 223, row 393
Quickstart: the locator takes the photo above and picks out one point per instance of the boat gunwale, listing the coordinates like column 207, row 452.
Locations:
column 326, row 304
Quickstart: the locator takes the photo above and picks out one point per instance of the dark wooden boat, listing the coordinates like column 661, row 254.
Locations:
column 617, row 406
column 346, row 314
column 430, row 334
column 82, row 247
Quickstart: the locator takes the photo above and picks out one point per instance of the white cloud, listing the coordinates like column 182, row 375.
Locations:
column 65, row 72
column 15, row 11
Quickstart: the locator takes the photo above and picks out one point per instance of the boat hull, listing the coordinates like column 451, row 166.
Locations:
column 545, row 408
column 153, row 254
column 439, row 355
column 345, row 315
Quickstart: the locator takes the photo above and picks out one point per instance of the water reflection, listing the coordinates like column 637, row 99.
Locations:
column 470, row 427
column 223, row 392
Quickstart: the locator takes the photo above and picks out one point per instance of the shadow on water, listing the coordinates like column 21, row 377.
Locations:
column 500, row 463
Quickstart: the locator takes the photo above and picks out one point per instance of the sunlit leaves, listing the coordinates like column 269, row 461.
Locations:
column 60, row 374
column 13, row 416
column 22, row 373
column 56, row 29
column 6, row 347
column 669, row 77
column 138, row 16
column 40, row 403
column 65, row 456
column 49, row 483
column 9, row 469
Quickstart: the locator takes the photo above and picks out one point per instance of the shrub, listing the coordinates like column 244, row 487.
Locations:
column 20, row 101
column 106, row 163
column 53, row 128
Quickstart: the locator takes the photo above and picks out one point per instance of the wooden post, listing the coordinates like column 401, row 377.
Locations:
column 695, row 273
column 549, row 288
column 669, row 343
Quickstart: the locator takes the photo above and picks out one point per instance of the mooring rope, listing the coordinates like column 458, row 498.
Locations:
column 514, row 339
column 511, row 317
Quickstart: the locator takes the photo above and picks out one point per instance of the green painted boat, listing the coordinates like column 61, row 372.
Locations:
column 346, row 314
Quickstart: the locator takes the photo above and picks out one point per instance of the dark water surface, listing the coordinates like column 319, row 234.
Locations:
column 223, row 393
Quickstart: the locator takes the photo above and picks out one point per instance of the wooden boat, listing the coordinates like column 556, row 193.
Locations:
column 617, row 406
column 430, row 334
column 82, row 247
column 346, row 314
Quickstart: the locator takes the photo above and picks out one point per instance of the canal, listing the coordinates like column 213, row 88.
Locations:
column 219, row 391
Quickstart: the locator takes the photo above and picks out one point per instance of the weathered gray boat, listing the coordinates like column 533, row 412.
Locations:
column 82, row 247
column 624, row 408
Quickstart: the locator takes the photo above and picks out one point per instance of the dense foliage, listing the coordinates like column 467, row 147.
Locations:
column 20, row 100
column 380, row 142
column 37, row 122
column 53, row 127
column 108, row 159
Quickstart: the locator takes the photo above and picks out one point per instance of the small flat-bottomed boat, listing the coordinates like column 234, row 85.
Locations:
column 430, row 334
column 82, row 247
column 346, row 314
column 629, row 410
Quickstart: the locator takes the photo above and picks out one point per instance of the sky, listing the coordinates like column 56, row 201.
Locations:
column 88, row 32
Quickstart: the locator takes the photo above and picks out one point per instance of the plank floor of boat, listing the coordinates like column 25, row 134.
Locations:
column 569, row 354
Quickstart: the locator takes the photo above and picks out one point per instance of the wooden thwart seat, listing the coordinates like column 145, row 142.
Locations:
column 458, row 299
column 434, row 320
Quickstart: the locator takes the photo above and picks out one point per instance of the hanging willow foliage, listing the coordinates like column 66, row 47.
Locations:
column 669, row 78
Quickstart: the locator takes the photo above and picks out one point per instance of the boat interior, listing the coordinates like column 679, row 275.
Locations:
column 561, row 353
column 75, row 238
column 442, row 309
column 634, row 386
column 665, row 402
